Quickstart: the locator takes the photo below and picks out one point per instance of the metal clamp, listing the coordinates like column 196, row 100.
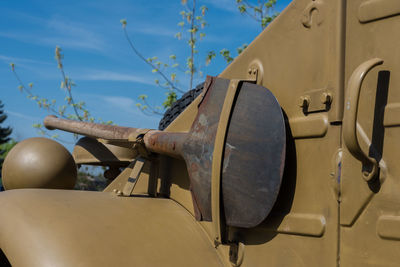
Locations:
column 217, row 158
column 350, row 117
column 133, row 178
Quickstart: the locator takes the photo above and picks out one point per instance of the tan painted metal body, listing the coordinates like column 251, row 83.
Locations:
column 333, row 67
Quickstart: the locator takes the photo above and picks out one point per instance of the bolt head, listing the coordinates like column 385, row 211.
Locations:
column 304, row 101
column 326, row 98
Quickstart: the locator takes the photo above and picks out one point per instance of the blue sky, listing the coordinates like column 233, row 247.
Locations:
column 108, row 75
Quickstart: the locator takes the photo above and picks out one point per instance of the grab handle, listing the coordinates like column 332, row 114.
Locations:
column 350, row 117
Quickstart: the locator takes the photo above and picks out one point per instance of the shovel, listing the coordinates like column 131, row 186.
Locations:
column 251, row 140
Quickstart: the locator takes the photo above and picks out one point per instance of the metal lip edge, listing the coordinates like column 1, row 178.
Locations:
column 302, row 224
column 374, row 10
column 388, row 227
column 311, row 126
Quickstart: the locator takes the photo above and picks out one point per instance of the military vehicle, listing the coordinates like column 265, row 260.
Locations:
column 288, row 158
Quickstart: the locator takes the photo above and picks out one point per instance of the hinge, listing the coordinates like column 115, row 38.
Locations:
column 335, row 173
column 236, row 253
column 252, row 74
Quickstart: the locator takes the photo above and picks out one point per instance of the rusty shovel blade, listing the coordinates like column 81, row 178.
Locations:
column 253, row 149
column 253, row 158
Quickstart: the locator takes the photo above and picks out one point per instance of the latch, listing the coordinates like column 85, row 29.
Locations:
column 318, row 100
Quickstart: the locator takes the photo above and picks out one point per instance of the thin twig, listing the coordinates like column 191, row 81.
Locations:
column 68, row 86
column 192, row 45
column 153, row 110
column 31, row 95
column 56, row 138
column 149, row 63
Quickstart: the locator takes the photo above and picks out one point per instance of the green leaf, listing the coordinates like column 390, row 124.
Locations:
column 210, row 56
column 203, row 10
column 123, row 22
column 178, row 35
column 171, row 98
column 226, row 54
column 257, row 10
column 241, row 48
column 242, row 8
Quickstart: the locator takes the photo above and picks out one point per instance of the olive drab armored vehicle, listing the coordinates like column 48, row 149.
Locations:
column 289, row 157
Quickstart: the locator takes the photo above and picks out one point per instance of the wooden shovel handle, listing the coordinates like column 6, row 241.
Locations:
column 156, row 141
column 166, row 143
column 108, row 132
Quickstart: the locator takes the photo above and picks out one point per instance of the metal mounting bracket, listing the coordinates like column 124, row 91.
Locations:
column 133, row 177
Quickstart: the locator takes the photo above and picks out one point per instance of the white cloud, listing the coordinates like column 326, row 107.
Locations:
column 18, row 60
column 120, row 102
column 22, row 116
column 155, row 31
column 105, row 75
column 57, row 31
column 75, row 35
column 227, row 5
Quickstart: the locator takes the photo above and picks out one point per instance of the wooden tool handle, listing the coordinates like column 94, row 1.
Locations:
column 108, row 132
column 167, row 143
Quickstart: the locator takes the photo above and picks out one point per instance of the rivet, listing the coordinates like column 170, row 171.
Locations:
column 326, row 98
column 304, row 101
